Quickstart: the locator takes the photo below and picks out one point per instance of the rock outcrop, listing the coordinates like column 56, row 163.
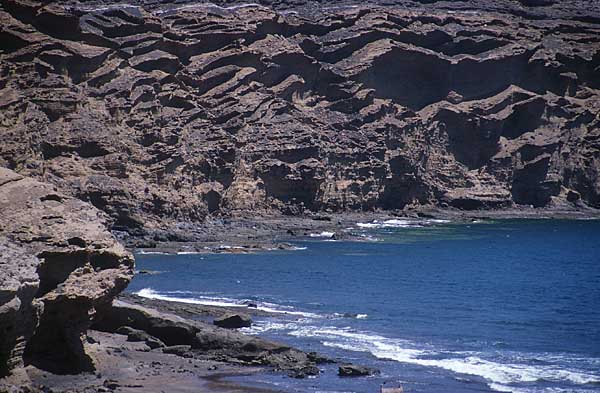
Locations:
column 188, row 338
column 59, row 268
column 233, row 321
column 159, row 113
column 352, row 370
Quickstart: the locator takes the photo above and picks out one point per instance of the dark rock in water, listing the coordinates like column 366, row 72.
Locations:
column 304, row 372
column 59, row 269
column 318, row 358
column 252, row 305
column 150, row 272
column 233, row 321
column 351, row 370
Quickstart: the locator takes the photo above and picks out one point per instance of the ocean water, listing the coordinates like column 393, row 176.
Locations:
column 438, row 307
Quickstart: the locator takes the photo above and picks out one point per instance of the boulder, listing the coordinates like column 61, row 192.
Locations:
column 179, row 350
column 317, row 358
column 233, row 321
column 153, row 342
column 136, row 335
column 60, row 269
column 351, row 370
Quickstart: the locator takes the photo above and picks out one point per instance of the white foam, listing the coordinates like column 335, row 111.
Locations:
column 223, row 302
column 369, row 238
column 500, row 374
column 208, row 5
column 503, row 388
column 189, row 253
column 400, row 223
column 395, row 223
column 151, row 294
column 143, row 252
column 349, row 315
column 108, row 8
column 322, row 234
column 269, row 326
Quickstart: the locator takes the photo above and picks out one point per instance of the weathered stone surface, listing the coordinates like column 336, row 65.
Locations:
column 19, row 310
column 60, row 267
column 233, row 321
column 170, row 329
column 163, row 113
column 179, row 350
column 352, row 370
column 183, row 335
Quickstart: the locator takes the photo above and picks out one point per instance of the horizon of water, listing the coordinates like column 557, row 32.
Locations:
column 507, row 305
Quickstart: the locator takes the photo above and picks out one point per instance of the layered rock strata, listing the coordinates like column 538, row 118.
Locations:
column 159, row 113
column 59, row 269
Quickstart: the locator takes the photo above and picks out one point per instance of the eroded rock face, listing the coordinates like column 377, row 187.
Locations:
column 160, row 112
column 59, row 267
column 19, row 309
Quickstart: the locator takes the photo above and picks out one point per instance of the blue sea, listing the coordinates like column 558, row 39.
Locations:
column 507, row 305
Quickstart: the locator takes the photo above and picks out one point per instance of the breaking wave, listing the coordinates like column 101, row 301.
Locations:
column 498, row 375
column 221, row 302
column 399, row 223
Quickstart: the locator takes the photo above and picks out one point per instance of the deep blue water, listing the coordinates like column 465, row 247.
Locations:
column 504, row 305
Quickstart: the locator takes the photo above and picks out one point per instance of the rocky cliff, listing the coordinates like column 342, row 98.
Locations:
column 59, row 269
column 158, row 112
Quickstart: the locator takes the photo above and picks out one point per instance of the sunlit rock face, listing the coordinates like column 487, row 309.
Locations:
column 59, row 269
column 156, row 112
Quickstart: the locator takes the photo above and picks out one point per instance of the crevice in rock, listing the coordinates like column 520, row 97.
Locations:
column 56, row 266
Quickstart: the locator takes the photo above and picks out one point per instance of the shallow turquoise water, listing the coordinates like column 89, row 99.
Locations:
column 438, row 307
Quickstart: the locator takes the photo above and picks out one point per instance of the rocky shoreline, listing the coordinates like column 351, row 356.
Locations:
column 168, row 127
column 191, row 354
column 63, row 328
column 251, row 233
column 66, row 328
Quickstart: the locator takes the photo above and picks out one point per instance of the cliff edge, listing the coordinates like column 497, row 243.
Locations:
column 158, row 113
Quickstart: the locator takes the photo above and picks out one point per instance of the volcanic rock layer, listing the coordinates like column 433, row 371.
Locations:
column 158, row 113
column 59, row 269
